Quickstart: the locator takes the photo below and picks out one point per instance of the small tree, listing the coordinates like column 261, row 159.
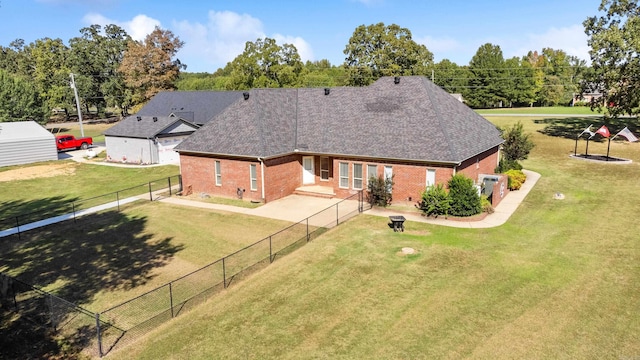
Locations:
column 435, row 201
column 465, row 200
column 517, row 145
column 380, row 190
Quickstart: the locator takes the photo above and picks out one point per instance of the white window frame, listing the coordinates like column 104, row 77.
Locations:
column 388, row 173
column 218, row 172
column 369, row 174
column 434, row 177
column 356, row 178
column 343, row 176
column 253, row 176
column 324, row 172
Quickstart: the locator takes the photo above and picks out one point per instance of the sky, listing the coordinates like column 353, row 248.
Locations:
column 215, row 31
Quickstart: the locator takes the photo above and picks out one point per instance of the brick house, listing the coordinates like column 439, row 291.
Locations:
column 275, row 142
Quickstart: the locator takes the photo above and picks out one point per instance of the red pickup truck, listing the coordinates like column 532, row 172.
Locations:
column 64, row 142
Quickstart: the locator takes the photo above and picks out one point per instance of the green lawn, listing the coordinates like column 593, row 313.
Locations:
column 77, row 182
column 559, row 280
column 105, row 259
column 566, row 110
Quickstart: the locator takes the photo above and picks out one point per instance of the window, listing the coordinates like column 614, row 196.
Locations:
column 357, row 176
column 431, row 177
column 372, row 171
column 253, row 169
column 344, row 175
column 388, row 175
column 218, row 174
column 324, row 168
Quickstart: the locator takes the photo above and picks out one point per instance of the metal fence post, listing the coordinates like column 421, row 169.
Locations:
column 270, row 251
column 99, row 335
column 171, row 299
column 53, row 322
column 169, row 185
column 224, row 274
column 150, row 193
column 337, row 215
column 180, row 182
column 18, row 228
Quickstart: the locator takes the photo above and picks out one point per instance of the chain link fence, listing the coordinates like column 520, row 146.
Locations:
column 119, row 325
column 155, row 189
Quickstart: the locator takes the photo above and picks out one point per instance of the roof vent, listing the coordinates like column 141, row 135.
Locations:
column 396, row 80
column 327, row 91
column 139, row 118
column 245, row 95
column 155, row 119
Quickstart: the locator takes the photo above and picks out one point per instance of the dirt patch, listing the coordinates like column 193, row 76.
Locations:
column 39, row 171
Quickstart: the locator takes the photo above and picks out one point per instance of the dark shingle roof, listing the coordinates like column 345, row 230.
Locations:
column 411, row 120
column 144, row 127
column 194, row 106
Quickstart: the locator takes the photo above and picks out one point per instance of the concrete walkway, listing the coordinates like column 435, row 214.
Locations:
column 295, row 208
column 503, row 211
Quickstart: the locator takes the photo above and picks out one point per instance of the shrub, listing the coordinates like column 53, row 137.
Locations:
column 435, row 201
column 516, row 179
column 465, row 200
column 486, row 205
column 506, row 165
column 379, row 190
column 517, row 145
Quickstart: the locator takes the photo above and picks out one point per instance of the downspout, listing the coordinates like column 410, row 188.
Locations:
column 262, row 176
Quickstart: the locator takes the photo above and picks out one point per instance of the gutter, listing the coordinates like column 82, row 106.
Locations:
column 262, row 176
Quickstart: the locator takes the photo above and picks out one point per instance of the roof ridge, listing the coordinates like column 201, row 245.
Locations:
column 436, row 109
column 261, row 123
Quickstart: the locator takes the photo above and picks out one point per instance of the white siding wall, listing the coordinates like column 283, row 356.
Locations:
column 135, row 151
column 28, row 151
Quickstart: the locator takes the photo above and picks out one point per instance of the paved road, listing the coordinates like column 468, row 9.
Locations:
column 545, row 115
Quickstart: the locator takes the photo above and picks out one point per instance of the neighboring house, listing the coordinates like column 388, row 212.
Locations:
column 276, row 142
column 147, row 139
column 587, row 98
column 25, row 142
column 197, row 107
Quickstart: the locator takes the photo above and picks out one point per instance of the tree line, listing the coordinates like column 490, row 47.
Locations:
column 110, row 71
column 113, row 71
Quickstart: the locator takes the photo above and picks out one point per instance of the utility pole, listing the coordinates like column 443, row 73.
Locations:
column 75, row 92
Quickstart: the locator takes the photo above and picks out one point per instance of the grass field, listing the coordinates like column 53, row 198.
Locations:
column 560, row 280
column 108, row 258
column 566, row 110
column 75, row 182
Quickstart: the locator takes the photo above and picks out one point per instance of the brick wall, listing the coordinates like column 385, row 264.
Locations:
column 500, row 190
column 284, row 174
column 410, row 180
column 198, row 173
column 484, row 163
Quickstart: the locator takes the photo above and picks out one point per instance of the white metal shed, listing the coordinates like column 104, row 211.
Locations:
column 25, row 142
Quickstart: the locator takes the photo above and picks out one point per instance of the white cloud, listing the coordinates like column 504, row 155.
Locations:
column 304, row 49
column 571, row 39
column 138, row 27
column 223, row 38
